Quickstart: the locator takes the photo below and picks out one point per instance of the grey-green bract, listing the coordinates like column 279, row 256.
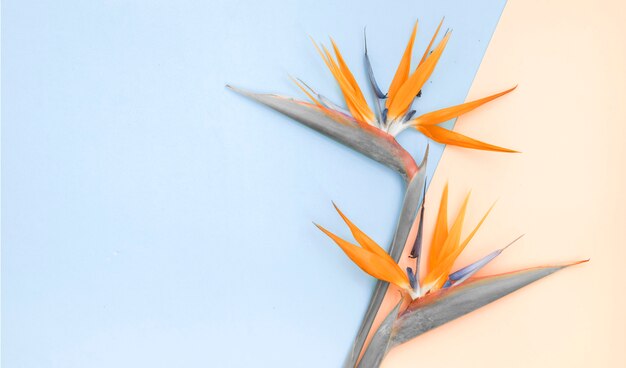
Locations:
column 443, row 306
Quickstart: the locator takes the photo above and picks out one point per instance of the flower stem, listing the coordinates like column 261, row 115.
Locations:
column 412, row 200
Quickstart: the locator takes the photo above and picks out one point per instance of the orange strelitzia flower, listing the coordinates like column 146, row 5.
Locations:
column 370, row 257
column 393, row 113
column 446, row 246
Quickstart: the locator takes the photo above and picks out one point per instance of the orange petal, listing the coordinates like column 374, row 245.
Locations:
column 444, row 136
column 343, row 85
column 441, row 230
column 448, row 250
column 356, row 93
column 352, row 94
column 432, row 41
column 346, row 71
column 462, row 246
column 364, row 240
column 415, row 82
column 371, row 263
column 402, row 73
column 454, row 237
column 453, row 253
column 445, row 266
column 443, row 115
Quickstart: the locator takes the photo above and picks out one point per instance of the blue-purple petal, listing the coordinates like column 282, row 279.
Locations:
column 331, row 105
column 412, row 278
column 474, row 267
column 408, row 116
column 468, row 271
column 384, row 116
column 370, row 73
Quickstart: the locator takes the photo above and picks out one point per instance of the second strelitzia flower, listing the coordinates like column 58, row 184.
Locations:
column 446, row 246
column 442, row 295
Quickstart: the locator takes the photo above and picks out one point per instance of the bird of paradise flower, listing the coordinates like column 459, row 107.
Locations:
column 373, row 132
column 394, row 113
column 439, row 279
column 445, row 248
column 442, row 295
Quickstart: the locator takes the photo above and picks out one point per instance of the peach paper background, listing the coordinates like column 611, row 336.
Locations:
column 565, row 192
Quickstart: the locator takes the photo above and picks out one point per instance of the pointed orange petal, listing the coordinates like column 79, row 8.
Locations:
column 355, row 101
column 343, row 85
column 371, row 263
column 357, row 95
column 445, row 266
column 414, row 84
column 441, row 230
column 402, row 73
column 365, row 241
column 447, row 253
column 345, row 70
column 447, row 263
column 432, row 41
column 444, row 136
column 471, row 235
column 443, row 115
column 454, row 237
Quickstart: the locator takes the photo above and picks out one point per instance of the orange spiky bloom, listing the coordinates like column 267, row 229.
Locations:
column 370, row 257
column 446, row 246
column 394, row 113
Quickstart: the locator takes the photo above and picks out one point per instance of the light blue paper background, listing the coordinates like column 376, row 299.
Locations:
column 152, row 218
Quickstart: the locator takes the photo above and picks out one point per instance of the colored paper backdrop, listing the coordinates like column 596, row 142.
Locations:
column 150, row 217
column 565, row 191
